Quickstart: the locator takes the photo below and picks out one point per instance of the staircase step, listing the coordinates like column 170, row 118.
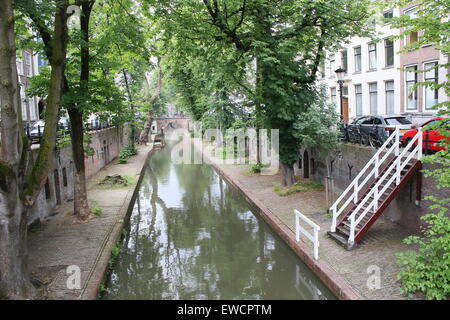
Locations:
column 343, row 229
column 340, row 239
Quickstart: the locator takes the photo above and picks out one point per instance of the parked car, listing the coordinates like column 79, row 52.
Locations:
column 369, row 129
column 431, row 137
column 36, row 131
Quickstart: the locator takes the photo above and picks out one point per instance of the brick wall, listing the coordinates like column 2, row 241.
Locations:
column 59, row 187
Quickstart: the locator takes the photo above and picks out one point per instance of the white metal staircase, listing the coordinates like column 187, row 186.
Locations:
column 374, row 188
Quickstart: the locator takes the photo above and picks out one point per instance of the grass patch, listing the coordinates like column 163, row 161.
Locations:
column 117, row 182
column 95, row 209
column 301, row 186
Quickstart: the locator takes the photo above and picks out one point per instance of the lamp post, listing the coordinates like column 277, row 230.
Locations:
column 340, row 74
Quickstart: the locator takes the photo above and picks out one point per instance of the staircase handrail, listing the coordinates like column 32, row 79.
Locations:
column 397, row 164
column 355, row 187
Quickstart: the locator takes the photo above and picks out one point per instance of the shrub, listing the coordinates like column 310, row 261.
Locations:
column 257, row 168
column 427, row 270
column 126, row 153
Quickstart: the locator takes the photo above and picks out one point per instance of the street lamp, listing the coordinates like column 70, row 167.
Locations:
column 340, row 73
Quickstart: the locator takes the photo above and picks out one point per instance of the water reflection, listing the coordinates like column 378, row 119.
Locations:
column 191, row 236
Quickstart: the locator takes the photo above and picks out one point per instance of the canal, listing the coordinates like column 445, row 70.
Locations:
column 192, row 236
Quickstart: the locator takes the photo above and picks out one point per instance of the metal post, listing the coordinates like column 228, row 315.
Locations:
column 341, row 93
column 316, row 243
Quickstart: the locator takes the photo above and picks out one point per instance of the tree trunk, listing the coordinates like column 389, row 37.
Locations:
column 130, row 99
column 81, row 203
column 288, row 179
column 143, row 138
column 14, row 279
column 18, row 192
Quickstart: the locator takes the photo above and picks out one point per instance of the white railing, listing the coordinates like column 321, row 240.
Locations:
column 396, row 168
column 299, row 230
column 391, row 147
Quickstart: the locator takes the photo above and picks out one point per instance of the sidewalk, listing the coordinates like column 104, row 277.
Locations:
column 61, row 242
column 347, row 272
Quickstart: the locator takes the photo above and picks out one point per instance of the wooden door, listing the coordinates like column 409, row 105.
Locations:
column 345, row 109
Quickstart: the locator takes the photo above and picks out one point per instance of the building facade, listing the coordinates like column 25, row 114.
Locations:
column 377, row 81
column 419, row 103
column 27, row 67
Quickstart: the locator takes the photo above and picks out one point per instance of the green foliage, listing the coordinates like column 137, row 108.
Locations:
column 97, row 211
column 277, row 187
column 254, row 59
column 95, row 208
column 317, row 127
column 127, row 152
column 116, row 250
column 257, row 168
column 427, row 270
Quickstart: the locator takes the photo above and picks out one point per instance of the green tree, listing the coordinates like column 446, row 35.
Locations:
column 274, row 49
column 21, row 180
column 100, row 48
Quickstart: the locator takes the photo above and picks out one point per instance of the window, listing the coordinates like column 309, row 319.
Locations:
column 358, row 59
column 332, row 65
column 389, row 52
column 345, row 91
column 431, row 95
column 367, row 121
column 322, row 70
column 390, row 97
column 373, row 93
column 32, row 107
column 372, row 56
column 333, row 95
column 412, row 36
column 358, row 100
column 23, row 103
column 398, row 121
column 64, row 172
column 19, row 67
column 411, row 95
column 377, row 121
column 388, row 15
column 344, row 63
column 29, row 71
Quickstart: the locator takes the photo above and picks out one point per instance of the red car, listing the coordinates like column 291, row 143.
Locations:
column 433, row 136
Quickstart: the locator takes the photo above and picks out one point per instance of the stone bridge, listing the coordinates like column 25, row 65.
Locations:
column 171, row 123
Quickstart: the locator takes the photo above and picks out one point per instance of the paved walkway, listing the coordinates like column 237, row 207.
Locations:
column 61, row 241
column 378, row 248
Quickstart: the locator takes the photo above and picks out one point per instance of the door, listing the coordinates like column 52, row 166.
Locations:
column 306, row 165
column 57, row 187
column 345, row 109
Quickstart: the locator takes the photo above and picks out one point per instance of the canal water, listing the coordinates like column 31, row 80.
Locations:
column 192, row 236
